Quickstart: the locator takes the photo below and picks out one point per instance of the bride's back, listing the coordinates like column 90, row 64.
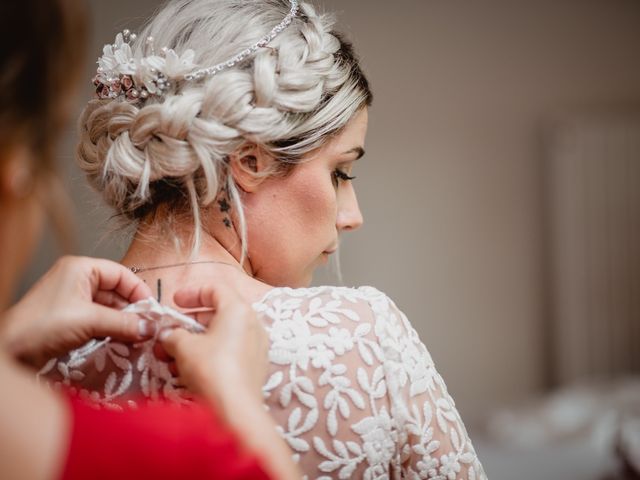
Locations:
column 351, row 386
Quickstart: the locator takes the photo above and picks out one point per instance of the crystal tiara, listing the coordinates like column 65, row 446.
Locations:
column 120, row 74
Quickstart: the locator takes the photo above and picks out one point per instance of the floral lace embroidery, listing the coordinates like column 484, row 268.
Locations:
column 354, row 391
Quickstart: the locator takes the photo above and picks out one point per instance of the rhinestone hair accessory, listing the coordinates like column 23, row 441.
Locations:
column 120, row 74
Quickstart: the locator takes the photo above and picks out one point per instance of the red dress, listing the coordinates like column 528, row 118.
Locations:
column 156, row 442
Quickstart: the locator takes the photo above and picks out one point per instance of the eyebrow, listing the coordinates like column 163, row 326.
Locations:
column 359, row 151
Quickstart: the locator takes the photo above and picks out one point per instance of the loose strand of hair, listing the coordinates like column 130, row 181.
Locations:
column 336, row 267
column 236, row 201
column 196, row 238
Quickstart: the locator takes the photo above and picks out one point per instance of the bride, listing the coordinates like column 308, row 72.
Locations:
column 227, row 133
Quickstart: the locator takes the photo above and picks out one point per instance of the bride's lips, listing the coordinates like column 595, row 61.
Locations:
column 331, row 249
column 326, row 253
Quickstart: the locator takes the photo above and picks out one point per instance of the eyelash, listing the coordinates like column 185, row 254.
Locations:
column 340, row 175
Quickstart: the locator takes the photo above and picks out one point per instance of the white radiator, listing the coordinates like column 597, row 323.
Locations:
column 593, row 207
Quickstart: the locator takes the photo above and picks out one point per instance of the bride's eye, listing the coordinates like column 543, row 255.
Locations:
column 338, row 175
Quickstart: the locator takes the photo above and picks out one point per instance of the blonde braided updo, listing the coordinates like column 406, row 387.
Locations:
column 289, row 99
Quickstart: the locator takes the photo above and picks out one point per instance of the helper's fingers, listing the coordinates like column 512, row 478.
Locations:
column 105, row 275
column 207, row 296
column 203, row 317
column 111, row 299
column 174, row 341
column 108, row 322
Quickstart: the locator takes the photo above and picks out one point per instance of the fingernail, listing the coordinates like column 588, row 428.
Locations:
column 146, row 328
column 164, row 334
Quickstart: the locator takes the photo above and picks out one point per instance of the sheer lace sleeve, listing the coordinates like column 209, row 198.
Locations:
column 356, row 392
column 432, row 438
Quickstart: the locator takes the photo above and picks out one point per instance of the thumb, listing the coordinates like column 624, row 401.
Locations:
column 174, row 341
column 125, row 326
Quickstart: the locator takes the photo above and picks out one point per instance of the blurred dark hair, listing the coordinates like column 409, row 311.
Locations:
column 42, row 50
column 42, row 45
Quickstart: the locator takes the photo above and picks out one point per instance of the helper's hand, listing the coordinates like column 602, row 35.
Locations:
column 231, row 355
column 227, row 366
column 78, row 299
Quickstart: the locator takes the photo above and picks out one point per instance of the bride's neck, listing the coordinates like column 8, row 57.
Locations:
column 147, row 251
column 164, row 261
column 156, row 244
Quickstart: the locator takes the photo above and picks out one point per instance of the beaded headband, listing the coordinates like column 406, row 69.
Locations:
column 120, row 74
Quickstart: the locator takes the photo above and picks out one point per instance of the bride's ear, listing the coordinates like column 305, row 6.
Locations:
column 250, row 166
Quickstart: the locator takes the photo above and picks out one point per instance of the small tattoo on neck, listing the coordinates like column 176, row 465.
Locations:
column 224, row 205
column 227, row 222
column 159, row 288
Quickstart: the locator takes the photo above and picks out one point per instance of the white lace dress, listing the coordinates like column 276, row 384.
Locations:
column 353, row 389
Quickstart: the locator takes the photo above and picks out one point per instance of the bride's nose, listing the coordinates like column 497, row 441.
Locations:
column 349, row 215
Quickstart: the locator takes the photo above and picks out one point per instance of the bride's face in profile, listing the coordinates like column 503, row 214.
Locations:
column 294, row 221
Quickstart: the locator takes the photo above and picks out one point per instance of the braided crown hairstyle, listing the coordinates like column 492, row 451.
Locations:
column 289, row 99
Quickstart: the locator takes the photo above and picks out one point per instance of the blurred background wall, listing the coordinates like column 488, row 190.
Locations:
column 453, row 187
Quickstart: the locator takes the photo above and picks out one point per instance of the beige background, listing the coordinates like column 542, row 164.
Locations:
column 452, row 184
